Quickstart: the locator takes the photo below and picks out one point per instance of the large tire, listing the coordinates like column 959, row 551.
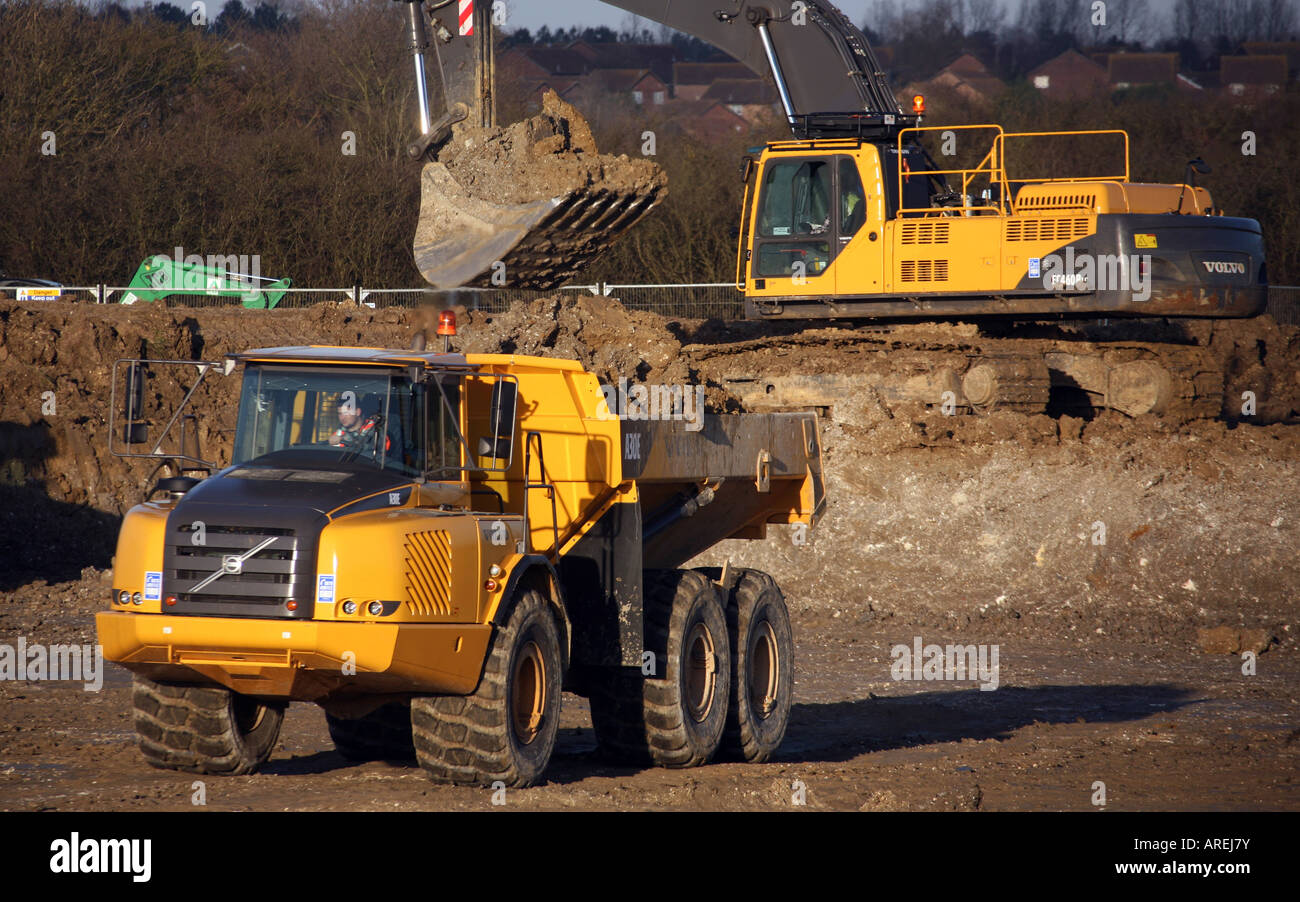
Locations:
column 676, row 717
column 382, row 735
column 202, row 729
column 762, row 651
column 506, row 730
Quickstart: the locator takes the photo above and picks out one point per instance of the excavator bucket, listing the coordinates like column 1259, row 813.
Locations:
column 465, row 241
column 526, row 206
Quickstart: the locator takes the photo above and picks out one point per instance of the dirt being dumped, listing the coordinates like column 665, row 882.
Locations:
column 526, row 206
column 547, row 156
column 610, row 340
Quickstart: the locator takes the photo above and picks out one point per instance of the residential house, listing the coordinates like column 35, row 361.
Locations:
column 535, row 70
column 966, row 77
column 753, row 99
column 1252, row 75
column 639, row 86
column 691, row 80
column 1140, row 70
column 707, row 120
column 1289, row 49
column 1070, row 76
column 658, row 58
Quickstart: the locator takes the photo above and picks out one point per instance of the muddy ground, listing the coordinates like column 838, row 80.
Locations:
column 1093, row 553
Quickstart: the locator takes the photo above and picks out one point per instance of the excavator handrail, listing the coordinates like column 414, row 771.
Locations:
column 987, row 166
column 995, row 166
column 1072, row 134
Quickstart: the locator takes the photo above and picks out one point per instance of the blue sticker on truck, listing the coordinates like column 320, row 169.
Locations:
column 325, row 588
column 1035, row 267
column 153, row 585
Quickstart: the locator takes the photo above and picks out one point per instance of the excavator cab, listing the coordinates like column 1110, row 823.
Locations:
column 804, row 206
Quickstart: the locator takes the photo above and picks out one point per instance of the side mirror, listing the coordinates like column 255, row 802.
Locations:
column 505, row 395
column 134, row 432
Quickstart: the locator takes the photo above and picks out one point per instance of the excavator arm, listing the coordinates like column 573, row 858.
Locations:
column 825, row 72
column 822, row 64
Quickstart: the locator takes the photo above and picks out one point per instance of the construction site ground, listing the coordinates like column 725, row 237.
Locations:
column 1138, row 578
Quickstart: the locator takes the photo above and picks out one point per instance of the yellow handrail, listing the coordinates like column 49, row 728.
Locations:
column 1071, row 134
column 967, row 175
column 994, row 164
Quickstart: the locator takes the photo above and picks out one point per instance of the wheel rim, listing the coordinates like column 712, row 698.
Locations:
column 764, row 671
column 528, row 690
column 701, row 672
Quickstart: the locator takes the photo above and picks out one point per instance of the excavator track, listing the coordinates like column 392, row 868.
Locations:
column 959, row 369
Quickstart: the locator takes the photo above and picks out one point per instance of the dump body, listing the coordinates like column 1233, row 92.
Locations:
column 316, row 571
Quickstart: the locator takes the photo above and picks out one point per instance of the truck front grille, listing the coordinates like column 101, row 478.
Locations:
column 256, row 584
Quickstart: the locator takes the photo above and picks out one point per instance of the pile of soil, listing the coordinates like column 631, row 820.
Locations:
column 610, row 340
column 549, row 155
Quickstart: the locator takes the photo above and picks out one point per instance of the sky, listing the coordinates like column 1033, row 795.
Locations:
column 532, row 14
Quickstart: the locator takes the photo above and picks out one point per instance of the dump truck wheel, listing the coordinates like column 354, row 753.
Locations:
column 382, row 735
column 762, row 686
column 202, row 729
column 506, row 730
column 676, row 717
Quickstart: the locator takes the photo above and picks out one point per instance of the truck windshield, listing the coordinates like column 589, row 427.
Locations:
column 351, row 417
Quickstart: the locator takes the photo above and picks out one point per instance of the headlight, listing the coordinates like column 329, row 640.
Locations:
column 375, row 608
column 137, row 598
column 349, row 607
column 124, row 597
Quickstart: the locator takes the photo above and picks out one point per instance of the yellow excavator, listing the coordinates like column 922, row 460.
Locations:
column 854, row 219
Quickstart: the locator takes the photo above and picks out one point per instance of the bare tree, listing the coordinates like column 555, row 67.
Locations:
column 885, row 19
column 984, row 16
column 1273, row 20
column 1192, row 19
column 1130, row 20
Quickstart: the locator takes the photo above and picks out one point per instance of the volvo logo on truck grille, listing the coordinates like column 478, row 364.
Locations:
column 232, row 564
column 1220, row 266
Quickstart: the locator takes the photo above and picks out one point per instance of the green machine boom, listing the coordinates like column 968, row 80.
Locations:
column 161, row 276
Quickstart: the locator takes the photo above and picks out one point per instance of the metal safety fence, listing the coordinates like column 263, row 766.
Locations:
column 693, row 301
column 700, row 300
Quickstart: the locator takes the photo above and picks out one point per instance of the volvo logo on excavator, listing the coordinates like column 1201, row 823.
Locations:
column 1219, row 266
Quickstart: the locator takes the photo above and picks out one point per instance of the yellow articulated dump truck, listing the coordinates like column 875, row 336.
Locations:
column 432, row 546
